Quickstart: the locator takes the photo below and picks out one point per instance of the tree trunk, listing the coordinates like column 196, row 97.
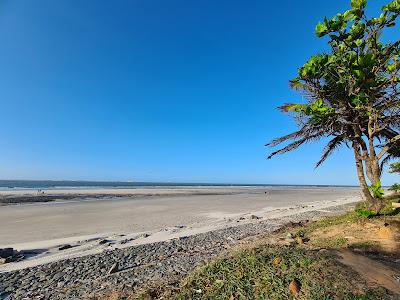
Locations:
column 373, row 203
column 375, row 168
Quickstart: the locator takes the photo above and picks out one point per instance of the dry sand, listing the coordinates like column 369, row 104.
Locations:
column 172, row 213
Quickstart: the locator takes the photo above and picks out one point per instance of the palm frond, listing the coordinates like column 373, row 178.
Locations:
column 296, row 144
column 282, row 139
column 289, row 107
column 330, row 148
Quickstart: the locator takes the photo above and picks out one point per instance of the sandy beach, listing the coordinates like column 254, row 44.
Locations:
column 139, row 216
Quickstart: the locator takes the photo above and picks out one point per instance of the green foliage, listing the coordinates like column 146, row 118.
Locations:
column 395, row 168
column 366, row 213
column 316, row 110
column 362, row 210
column 393, row 7
column 395, row 188
column 348, row 89
column 377, row 190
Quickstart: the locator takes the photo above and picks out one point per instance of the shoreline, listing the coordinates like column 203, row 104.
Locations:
column 41, row 252
column 29, row 196
column 37, row 222
column 89, row 275
column 86, row 227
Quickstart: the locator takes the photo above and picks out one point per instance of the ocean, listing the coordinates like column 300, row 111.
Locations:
column 54, row 184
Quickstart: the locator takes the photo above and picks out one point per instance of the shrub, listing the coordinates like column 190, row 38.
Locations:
column 365, row 213
column 395, row 188
column 377, row 190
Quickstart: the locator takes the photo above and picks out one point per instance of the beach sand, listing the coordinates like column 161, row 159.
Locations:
column 172, row 213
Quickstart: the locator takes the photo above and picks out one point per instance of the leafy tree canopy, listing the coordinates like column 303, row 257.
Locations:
column 352, row 92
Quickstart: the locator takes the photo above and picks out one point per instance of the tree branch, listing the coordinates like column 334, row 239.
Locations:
column 387, row 147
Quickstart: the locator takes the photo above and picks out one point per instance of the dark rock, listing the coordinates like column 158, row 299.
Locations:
column 64, row 247
column 6, row 252
column 102, row 242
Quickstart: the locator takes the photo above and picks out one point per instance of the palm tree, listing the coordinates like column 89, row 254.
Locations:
column 352, row 94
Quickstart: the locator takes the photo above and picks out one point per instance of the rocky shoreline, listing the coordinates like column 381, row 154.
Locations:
column 130, row 268
column 44, row 198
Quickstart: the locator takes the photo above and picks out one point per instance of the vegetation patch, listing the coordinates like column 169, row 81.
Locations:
column 303, row 262
column 367, row 246
column 271, row 272
column 331, row 243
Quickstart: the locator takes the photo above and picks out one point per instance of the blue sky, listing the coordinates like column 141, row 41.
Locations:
column 151, row 90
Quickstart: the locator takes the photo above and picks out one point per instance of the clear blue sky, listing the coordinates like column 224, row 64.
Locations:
column 158, row 90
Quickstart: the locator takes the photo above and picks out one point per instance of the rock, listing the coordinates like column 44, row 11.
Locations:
column 295, row 287
column 18, row 257
column 254, row 217
column 3, row 261
column 102, row 242
column 144, row 235
column 64, row 247
column 300, row 240
column 113, row 269
column 6, row 252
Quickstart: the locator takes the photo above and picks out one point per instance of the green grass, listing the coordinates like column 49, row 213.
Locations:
column 363, row 211
column 250, row 274
column 368, row 246
column 331, row 243
column 349, row 217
